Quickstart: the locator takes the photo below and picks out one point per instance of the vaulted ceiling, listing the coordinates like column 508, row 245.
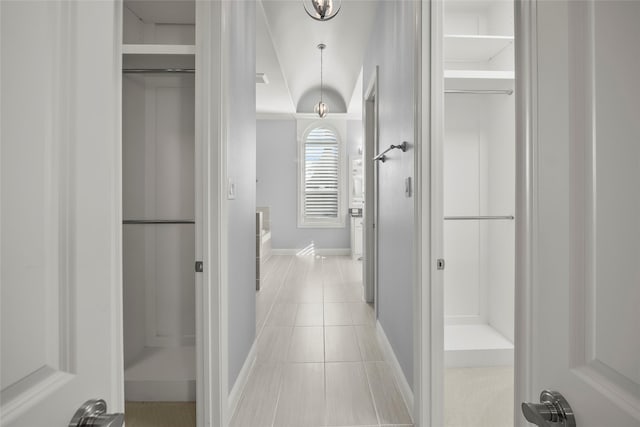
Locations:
column 287, row 53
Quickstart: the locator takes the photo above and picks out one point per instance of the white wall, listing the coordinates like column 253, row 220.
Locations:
column 277, row 174
column 158, row 183
column 465, row 193
column 392, row 48
column 501, row 178
column 241, row 169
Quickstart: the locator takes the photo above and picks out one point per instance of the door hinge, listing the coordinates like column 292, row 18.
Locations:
column 440, row 264
column 199, row 267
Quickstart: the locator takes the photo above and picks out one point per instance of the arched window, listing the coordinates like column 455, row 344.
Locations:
column 320, row 198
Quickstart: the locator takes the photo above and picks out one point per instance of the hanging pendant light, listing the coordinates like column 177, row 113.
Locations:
column 322, row 10
column 321, row 108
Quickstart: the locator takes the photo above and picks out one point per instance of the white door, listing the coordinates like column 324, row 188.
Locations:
column 60, row 210
column 584, row 295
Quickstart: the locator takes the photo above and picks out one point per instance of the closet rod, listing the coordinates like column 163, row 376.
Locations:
column 480, row 91
column 157, row 70
column 158, row 221
column 470, row 218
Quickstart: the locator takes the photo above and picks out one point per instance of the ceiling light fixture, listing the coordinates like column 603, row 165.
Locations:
column 321, row 108
column 322, row 10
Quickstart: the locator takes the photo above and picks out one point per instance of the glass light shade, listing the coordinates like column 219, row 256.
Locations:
column 321, row 109
column 322, row 10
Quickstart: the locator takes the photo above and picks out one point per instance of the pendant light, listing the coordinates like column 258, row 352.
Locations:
column 321, row 108
column 322, row 10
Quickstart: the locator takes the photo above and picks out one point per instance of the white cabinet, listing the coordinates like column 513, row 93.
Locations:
column 356, row 237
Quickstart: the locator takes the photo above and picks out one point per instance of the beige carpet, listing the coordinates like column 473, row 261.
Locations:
column 160, row 414
column 478, row 397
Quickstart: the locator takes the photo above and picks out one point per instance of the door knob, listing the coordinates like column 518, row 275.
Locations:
column 93, row 413
column 553, row 410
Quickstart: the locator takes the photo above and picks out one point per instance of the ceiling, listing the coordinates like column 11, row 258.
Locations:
column 286, row 51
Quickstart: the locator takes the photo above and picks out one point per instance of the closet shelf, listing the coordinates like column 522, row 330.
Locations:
column 479, row 74
column 158, row 49
column 470, row 48
column 479, row 79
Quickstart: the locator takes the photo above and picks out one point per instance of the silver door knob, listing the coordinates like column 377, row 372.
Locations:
column 553, row 410
column 93, row 413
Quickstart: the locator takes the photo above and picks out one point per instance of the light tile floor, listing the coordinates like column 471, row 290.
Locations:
column 318, row 362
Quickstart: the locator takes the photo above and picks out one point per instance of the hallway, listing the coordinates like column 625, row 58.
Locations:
column 318, row 361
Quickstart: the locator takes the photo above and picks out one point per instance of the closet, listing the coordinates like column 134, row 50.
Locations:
column 158, row 103
column 479, row 182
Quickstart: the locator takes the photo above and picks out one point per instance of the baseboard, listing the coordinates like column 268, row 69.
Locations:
column 390, row 357
column 326, row 252
column 241, row 381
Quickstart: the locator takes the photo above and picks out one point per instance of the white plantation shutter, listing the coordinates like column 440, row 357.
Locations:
column 321, row 166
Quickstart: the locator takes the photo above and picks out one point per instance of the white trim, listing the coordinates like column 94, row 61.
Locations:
column 117, row 399
column 210, row 216
column 427, row 381
column 390, row 358
column 370, row 95
column 243, row 377
column 432, row 312
column 316, row 251
column 526, row 200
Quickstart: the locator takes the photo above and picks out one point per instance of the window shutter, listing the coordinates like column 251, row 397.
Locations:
column 321, row 162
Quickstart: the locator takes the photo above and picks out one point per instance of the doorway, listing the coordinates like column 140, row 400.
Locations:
column 478, row 224
column 370, row 259
column 159, row 213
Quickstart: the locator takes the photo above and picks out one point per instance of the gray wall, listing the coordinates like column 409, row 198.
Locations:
column 392, row 47
column 241, row 168
column 277, row 172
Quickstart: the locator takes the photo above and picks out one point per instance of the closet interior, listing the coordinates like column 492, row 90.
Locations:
column 158, row 186
column 479, row 182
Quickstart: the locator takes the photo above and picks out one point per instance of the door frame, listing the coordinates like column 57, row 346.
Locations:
column 526, row 93
column 211, row 148
column 211, row 122
column 430, row 351
column 370, row 169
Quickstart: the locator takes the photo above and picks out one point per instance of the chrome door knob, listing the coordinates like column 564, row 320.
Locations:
column 553, row 410
column 93, row 413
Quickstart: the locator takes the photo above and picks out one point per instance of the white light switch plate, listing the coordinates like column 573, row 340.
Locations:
column 231, row 189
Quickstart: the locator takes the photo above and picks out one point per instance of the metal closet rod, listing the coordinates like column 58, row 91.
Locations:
column 382, row 156
column 471, row 218
column 158, row 221
column 481, row 91
column 157, row 70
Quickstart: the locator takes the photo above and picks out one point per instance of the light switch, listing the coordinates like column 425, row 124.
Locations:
column 231, row 189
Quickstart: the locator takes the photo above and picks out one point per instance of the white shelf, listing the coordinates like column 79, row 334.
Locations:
column 469, row 48
column 162, row 374
column 479, row 79
column 478, row 74
column 158, row 49
column 476, row 345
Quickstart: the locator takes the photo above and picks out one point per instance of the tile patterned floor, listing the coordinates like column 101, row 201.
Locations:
column 318, row 362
